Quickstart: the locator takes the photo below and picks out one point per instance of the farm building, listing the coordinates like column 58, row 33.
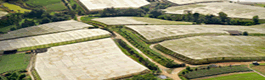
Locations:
column 43, row 41
column 92, row 60
column 94, row 5
column 48, row 28
column 231, row 9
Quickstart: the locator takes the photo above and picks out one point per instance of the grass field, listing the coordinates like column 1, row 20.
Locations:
column 137, row 20
column 243, row 76
column 231, row 9
column 15, row 8
column 50, row 5
column 7, row 28
column 14, row 62
column 216, row 48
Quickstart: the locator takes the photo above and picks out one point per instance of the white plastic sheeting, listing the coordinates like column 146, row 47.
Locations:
column 101, row 4
column 191, row 1
column 45, row 29
column 91, row 60
column 152, row 32
column 51, row 38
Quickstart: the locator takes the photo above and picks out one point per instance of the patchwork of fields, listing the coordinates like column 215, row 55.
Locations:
column 49, row 40
column 92, row 60
column 154, row 33
column 137, row 21
column 53, row 27
column 217, row 48
column 231, row 9
column 101, row 4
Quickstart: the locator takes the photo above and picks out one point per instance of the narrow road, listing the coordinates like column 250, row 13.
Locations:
column 31, row 63
column 174, row 74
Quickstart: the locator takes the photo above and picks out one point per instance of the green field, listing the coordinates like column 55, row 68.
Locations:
column 14, row 62
column 50, row 5
column 243, row 76
column 15, row 8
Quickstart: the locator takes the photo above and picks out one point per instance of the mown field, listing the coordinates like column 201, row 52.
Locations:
column 137, row 21
column 204, row 49
column 15, row 8
column 156, row 33
column 243, row 76
column 50, row 5
column 14, row 62
column 231, row 9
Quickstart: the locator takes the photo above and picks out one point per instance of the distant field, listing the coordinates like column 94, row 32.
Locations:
column 14, row 62
column 190, row 1
column 203, row 49
column 243, row 76
column 154, row 33
column 231, row 9
column 48, row 4
column 15, row 8
column 101, row 4
column 136, row 20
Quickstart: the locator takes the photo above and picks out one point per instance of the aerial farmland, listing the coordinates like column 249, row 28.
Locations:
column 154, row 33
column 92, row 60
column 136, row 21
column 191, row 1
column 93, row 5
column 232, row 9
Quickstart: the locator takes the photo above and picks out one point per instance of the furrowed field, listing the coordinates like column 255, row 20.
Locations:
column 231, row 9
column 204, row 49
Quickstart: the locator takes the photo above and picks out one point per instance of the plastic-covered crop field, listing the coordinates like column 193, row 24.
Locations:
column 231, row 9
column 92, row 60
column 202, row 49
column 55, row 39
column 137, row 21
column 154, row 33
column 102, row 4
column 45, row 29
column 191, row 1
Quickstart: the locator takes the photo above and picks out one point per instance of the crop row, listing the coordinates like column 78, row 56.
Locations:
column 207, row 60
column 215, row 71
column 137, row 42
column 63, row 43
column 129, row 51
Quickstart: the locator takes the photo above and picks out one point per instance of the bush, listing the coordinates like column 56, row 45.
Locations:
column 245, row 33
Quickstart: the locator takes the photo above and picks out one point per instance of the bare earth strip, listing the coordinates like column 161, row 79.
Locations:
column 231, row 9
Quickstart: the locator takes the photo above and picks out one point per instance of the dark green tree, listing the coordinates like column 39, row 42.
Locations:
column 256, row 19
column 45, row 20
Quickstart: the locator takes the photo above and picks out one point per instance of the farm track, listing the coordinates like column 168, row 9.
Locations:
column 174, row 74
column 30, row 66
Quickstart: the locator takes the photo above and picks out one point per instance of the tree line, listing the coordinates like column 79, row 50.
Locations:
column 35, row 17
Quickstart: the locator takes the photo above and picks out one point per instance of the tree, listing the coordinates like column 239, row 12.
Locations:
column 45, row 20
column 74, row 6
column 223, row 16
column 245, row 33
column 255, row 19
column 188, row 68
column 27, row 23
column 155, row 13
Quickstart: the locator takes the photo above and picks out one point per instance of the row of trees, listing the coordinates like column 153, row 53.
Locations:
column 35, row 17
